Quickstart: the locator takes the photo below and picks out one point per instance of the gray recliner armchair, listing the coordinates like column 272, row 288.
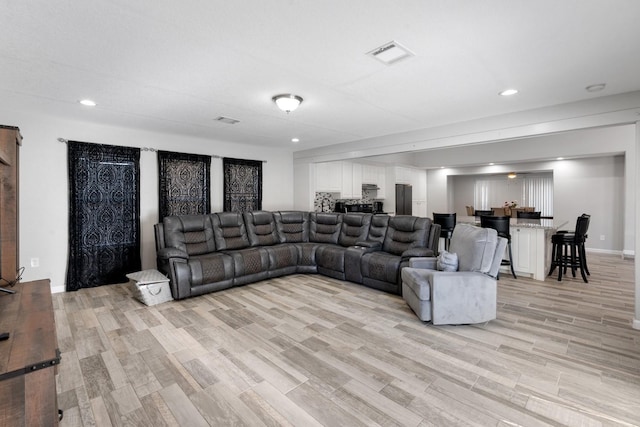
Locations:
column 465, row 296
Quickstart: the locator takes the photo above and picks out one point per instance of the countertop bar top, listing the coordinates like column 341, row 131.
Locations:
column 547, row 224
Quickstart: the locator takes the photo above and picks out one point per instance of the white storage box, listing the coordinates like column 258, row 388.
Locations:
column 150, row 287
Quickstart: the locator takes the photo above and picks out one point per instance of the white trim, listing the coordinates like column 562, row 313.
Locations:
column 605, row 251
column 628, row 253
column 57, row 289
column 636, row 324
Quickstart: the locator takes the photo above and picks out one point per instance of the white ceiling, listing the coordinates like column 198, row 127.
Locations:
column 172, row 66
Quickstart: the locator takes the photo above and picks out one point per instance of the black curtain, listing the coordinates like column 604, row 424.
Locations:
column 242, row 185
column 104, row 214
column 184, row 184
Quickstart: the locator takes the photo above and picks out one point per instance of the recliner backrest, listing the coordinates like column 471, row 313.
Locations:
column 292, row 226
column 355, row 228
column 229, row 231
column 405, row 232
column 261, row 228
column 476, row 248
column 378, row 228
column 325, row 227
column 192, row 234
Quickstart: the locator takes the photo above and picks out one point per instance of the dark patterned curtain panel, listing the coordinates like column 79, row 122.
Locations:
column 242, row 185
column 104, row 214
column 185, row 184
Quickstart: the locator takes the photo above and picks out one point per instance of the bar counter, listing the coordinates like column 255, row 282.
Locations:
column 530, row 244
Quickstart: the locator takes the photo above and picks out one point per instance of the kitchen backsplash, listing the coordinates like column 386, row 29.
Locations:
column 325, row 202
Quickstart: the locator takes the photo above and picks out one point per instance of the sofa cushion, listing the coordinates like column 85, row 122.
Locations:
column 261, row 228
column 229, row 231
column 292, row 226
column 475, row 247
column 325, row 227
column 192, row 234
column 355, row 228
column 405, row 232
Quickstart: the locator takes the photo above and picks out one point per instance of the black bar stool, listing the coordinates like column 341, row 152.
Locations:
column 501, row 225
column 483, row 213
column 568, row 250
column 447, row 222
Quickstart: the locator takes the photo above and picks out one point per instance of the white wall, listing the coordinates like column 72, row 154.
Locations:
column 44, row 190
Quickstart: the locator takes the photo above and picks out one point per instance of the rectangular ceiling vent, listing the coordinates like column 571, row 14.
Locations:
column 390, row 53
column 226, row 120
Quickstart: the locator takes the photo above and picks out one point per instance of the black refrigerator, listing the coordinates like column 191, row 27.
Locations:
column 403, row 199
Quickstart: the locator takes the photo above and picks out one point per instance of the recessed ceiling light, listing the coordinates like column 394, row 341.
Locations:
column 295, row 139
column 508, row 92
column 491, row 164
column 596, row 87
column 87, row 102
column 559, row 158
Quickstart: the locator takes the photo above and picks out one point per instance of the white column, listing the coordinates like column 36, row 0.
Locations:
column 636, row 319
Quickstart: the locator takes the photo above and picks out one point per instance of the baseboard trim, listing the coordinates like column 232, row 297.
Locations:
column 605, row 251
column 636, row 324
column 57, row 289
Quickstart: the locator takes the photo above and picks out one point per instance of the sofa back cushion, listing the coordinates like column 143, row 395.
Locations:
column 261, row 228
column 192, row 234
column 405, row 232
column 325, row 227
column 355, row 228
column 292, row 226
column 475, row 247
column 378, row 228
column 229, row 231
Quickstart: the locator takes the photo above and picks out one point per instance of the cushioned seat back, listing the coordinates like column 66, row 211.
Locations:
column 190, row 233
column 355, row 228
column 324, row 227
column 405, row 232
column 378, row 228
column 261, row 228
column 229, row 231
column 292, row 226
column 475, row 247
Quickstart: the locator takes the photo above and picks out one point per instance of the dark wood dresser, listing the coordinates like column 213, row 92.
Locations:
column 29, row 358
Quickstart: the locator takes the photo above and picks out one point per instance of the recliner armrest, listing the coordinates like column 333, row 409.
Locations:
column 417, row 252
column 424, row 263
column 167, row 253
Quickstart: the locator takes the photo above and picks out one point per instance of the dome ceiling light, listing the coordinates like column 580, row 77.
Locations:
column 287, row 102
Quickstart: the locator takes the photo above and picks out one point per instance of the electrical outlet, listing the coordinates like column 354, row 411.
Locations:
column 602, row 237
column 35, row 262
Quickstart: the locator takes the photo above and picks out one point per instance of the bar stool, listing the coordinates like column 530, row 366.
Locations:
column 447, row 222
column 568, row 250
column 501, row 225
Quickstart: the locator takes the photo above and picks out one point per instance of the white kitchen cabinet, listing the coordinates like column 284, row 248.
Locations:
column 356, row 184
column 382, row 183
column 370, row 174
column 351, row 180
column 329, row 177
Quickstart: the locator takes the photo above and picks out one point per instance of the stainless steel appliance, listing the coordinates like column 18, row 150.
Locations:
column 339, row 207
column 377, row 207
column 404, row 199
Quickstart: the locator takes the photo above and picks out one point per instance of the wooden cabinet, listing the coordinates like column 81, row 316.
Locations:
column 29, row 358
column 10, row 141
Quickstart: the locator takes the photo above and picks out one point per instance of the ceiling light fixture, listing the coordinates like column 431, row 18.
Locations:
column 508, row 92
column 512, row 175
column 87, row 103
column 287, row 102
column 559, row 158
column 596, row 87
column 295, row 139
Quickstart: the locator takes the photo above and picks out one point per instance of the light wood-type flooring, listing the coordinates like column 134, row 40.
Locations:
column 306, row 350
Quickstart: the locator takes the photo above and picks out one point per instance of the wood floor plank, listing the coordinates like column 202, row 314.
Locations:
column 310, row 350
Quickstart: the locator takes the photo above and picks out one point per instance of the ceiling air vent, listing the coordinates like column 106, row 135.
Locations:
column 390, row 53
column 226, row 120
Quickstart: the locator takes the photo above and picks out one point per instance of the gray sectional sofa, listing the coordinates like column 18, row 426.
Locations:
column 207, row 253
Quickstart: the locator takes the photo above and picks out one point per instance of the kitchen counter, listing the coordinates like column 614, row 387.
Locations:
column 545, row 224
column 530, row 244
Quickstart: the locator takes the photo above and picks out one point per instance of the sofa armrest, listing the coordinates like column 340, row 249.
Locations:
column 425, row 263
column 462, row 297
column 417, row 252
column 366, row 246
column 167, row 253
